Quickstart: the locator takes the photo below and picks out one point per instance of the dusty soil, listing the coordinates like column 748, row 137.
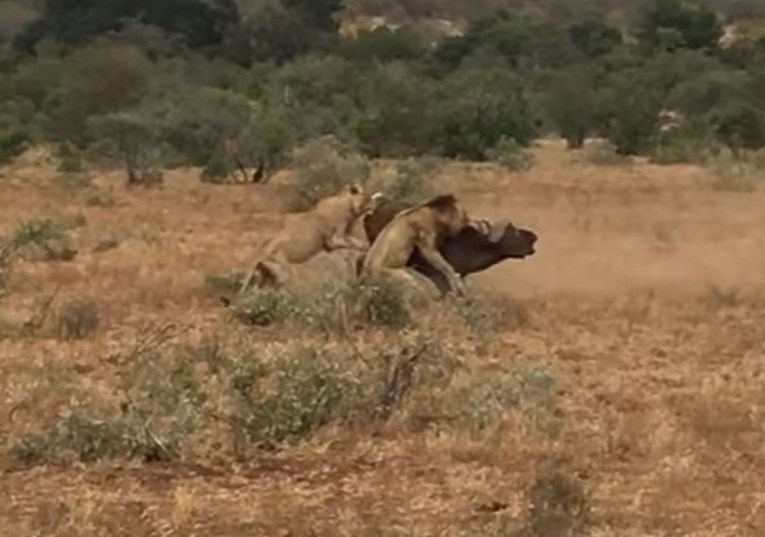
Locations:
column 645, row 300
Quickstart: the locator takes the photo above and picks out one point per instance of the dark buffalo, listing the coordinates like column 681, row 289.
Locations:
column 472, row 250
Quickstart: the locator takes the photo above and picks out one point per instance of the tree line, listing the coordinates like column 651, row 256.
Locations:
column 174, row 82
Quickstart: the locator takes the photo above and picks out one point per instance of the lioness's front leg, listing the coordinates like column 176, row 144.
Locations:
column 434, row 257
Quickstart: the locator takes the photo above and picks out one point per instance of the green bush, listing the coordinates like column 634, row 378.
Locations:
column 511, row 155
column 292, row 395
column 323, row 167
column 12, row 144
column 162, row 405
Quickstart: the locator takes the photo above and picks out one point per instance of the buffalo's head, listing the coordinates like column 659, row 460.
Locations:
column 511, row 241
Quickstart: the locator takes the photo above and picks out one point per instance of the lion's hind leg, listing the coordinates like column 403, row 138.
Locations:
column 411, row 283
column 265, row 274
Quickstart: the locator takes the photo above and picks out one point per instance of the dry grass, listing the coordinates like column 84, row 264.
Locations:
column 609, row 385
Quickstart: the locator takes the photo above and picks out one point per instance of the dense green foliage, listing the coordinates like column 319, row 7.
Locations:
column 159, row 83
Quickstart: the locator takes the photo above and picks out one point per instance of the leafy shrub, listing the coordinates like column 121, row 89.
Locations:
column 292, row 395
column 511, row 155
column 323, row 167
column 264, row 307
column 162, row 405
column 70, row 159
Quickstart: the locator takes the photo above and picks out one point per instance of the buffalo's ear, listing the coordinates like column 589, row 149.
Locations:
column 355, row 188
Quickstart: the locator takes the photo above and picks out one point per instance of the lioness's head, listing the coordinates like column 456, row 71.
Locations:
column 512, row 241
column 450, row 214
column 362, row 202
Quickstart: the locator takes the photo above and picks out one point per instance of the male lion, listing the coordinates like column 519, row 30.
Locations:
column 326, row 227
column 422, row 228
column 475, row 248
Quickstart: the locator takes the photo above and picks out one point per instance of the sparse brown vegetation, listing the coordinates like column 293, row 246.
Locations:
column 624, row 356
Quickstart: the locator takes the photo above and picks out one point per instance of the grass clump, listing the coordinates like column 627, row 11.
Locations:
column 529, row 388
column 77, row 435
column 332, row 308
column 77, row 319
column 559, row 505
column 264, row 307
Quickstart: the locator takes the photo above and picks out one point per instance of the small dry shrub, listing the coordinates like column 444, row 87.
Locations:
column 559, row 505
column 718, row 297
column 96, row 197
column 479, row 317
column 322, row 168
column 732, row 175
column 603, row 153
column 45, row 240
column 77, row 319
column 224, row 284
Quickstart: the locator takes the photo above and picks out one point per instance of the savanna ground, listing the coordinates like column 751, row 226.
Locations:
column 631, row 347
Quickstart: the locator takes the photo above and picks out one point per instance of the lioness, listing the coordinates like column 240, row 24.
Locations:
column 326, row 227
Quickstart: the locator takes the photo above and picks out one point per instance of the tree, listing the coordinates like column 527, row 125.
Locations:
column 201, row 23
column 672, row 24
column 594, row 38
column 633, row 103
column 521, row 42
column 318, row 14
column 572, row 104
column 396, row 112
column 741, row 126
column 477, row 108
column 95, row 80
column 131, row 139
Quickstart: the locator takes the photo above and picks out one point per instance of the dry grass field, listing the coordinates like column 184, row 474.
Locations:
column 619, row 392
